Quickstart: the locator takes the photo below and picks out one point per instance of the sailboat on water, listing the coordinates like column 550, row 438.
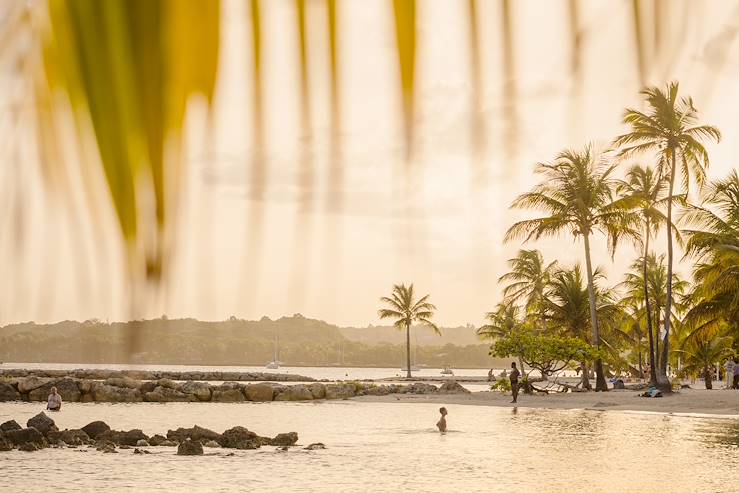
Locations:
column 275, row 363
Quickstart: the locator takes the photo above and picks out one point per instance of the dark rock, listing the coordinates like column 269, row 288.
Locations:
column 125, row 447
column 28, row 447
column 450, row 387
column 71, row 437
column 157, row 440
column 240, row 438
column 26, row 435
column 376, row 390
column 196, row 433
column 10, row 425
column 168, row 443
column 142, row 443
column 107, row 448
column 315, row 446
column 5, row 445
column 124, row 382
column 212, row 444
column 8, row 393
column 189, row 447
column 95, row 428
column 132, row 437
column 285, row 439
column 42, row 423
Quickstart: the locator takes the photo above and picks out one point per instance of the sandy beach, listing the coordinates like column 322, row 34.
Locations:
column 687, row 401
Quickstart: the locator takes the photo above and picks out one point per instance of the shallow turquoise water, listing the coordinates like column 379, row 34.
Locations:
column 392, row 447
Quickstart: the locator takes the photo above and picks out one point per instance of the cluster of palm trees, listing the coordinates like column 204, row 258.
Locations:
column 651, row 310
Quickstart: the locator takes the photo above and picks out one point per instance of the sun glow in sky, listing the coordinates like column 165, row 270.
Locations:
column 437, row 221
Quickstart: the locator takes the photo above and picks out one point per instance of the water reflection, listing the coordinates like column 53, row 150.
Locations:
column 386, row 447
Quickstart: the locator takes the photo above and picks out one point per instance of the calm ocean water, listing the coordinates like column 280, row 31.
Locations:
column 392, row 447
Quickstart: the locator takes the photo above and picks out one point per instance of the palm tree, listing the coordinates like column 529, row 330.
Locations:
column 670, row 129
column 714, row 242
column 405, row 309
column 702, row 354
column 501, row 323
column 577, row 193
column 568, row 306
column 527, row 281
column 645, row 191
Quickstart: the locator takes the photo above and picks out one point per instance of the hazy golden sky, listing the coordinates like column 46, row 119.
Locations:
column 443, row 231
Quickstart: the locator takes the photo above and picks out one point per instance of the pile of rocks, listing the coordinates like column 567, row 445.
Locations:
column 127, row 389
column 202, row 376
column 41, row 432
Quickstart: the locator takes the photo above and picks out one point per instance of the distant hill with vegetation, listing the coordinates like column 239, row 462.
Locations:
column 301, row 342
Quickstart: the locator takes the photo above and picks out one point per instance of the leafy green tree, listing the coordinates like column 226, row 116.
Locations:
column 668, row 128
column 405, row 309
column 527, row 281
column 702, row 354
column 577, row 194
column 713, row 241
column 546, row 353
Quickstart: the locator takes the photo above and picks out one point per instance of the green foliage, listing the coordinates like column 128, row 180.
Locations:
column 501, row 385
column 546, row 353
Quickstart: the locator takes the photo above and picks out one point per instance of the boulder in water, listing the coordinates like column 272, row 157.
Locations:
column 228, row 393
column 196, row 433
column 26, row 435
column 166, row 394
column 27, row 384
column 340, row 391
column 142, row 443
column 285, row 439
column 10, row 425
column 29, row 447
column 108, row 393
column 315, row 446
column 95, row 428
column 70, row 437
column 8, row 393
column 240, row 438
column 189, row 447
column 66, row 387
column 157, row 440
column 42, row 423
column 212, row 444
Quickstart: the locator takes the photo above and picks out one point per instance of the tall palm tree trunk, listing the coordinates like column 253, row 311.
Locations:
column 652, row 362
column 408, row 348
column 600, row 380
column 662, row 381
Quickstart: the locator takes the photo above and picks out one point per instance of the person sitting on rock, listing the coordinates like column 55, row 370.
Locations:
column 442, row 421
column 55, row 401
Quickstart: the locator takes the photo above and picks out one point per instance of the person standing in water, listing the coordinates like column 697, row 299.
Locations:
column 514, row 382
column 55, row 401
column 442, row 421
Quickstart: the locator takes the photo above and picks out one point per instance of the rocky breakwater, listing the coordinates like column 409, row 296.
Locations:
column 202, row 376
column 127, row 389
column 41, row 432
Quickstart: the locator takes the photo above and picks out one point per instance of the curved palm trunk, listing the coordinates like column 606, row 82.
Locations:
column 662, row 381
column 408, row 348
column 652, row 365
column 600, row 380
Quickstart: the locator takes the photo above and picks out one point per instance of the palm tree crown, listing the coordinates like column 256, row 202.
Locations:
column 527, row 280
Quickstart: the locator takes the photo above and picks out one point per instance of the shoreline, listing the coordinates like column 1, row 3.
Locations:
column 718, row 403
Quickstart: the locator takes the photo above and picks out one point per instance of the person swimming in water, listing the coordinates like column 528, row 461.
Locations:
column 442, row 421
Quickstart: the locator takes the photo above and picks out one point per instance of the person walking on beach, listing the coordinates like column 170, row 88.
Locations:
column 442, row 421
column 736, row 377
column 514, row 382
column 729, row 375
column 55, row 401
